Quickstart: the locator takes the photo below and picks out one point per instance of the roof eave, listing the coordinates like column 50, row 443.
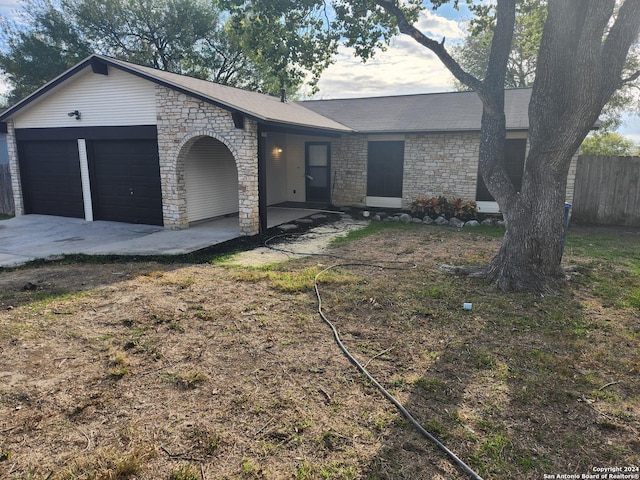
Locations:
column 433, row 131
column 89, row 61
column 46, row 88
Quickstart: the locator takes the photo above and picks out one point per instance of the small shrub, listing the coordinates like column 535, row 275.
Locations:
column 441, row 206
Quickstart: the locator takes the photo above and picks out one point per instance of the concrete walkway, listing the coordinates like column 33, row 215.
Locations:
column 31, row 237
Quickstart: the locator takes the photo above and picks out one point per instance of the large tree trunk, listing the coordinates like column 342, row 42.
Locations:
column 582, row 53
column 530, row 255
column 577, row 72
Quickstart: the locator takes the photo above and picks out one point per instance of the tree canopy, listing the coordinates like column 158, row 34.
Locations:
column 531, row 15
column 200, row 38
column 608, row 144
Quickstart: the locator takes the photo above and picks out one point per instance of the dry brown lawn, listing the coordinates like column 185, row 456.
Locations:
column 211, row 371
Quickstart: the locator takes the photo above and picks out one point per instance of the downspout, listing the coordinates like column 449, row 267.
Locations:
column 262, row 181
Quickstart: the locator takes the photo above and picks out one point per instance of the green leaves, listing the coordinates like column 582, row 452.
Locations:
column 39, row 51
column 265, row 45
column 608, row 144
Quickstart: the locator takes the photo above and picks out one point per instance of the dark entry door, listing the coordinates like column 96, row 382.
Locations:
column 50, row 174
column 125, row 181
column 318, row 171
column 385, row 166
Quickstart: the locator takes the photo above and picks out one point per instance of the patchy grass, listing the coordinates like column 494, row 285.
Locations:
column 166, row 370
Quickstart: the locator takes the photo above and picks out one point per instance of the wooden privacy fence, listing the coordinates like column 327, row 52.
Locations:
column 6, row 195
column 607, row 191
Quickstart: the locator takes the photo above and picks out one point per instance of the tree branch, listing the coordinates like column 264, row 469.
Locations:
column 631, row 78
column 436, row 47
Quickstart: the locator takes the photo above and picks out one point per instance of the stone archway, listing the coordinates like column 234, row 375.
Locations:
column 175, row 189
column 210, row 180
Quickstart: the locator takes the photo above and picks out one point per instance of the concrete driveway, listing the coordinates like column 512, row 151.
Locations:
column 31, row 237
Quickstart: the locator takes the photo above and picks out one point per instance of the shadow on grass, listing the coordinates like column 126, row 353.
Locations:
column 518, row 387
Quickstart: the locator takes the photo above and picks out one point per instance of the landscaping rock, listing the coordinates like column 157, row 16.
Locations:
column 427, row 220
column 456, row 222
column 406, row 218
column 489, row 221
column 416, row 220
column 287, row 227
column 376, row 218
column 441, row 221
column 501, row 223
column 472, row 223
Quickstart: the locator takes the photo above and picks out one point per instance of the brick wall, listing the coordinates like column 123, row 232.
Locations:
column 349, row 169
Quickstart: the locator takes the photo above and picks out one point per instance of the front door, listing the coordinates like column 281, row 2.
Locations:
column 318, row 171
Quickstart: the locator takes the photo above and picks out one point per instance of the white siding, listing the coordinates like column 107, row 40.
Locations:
column 211, row 180
column 102, row 100
column 276, row 154
column 295, row 169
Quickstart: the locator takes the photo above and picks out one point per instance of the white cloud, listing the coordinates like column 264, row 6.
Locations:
column 8, row 7
column 631, row 126
column 406, row 67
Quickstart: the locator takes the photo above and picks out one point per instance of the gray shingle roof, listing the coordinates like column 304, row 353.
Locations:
column 256, row 105
column 431, row 112
column 434, row 112
column 260, row 107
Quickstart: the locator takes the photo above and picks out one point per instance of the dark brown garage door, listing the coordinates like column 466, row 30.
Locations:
column 125, row 181
column 50, row 174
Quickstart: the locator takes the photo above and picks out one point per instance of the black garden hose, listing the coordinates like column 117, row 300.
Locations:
column 457, row 461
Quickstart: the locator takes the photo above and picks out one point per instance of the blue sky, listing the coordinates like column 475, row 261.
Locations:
column 405, row 68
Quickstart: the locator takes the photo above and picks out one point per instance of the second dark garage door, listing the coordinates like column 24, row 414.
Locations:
column 125, row 181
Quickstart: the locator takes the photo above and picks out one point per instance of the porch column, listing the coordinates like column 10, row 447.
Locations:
column 262, row 181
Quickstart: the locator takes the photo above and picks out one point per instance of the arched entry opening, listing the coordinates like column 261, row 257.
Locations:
column 211, row 180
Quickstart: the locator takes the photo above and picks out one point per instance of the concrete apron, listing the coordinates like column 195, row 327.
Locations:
column 31, row 237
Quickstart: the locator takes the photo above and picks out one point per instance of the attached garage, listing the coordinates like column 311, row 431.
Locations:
column 125, row 181
column 111, row 140
column 51, row 182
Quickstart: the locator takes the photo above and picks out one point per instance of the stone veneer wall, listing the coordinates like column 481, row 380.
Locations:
column 349, row 170
column 181, row 121
column 14, row 169
column 440, row 164
column 434, row 164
